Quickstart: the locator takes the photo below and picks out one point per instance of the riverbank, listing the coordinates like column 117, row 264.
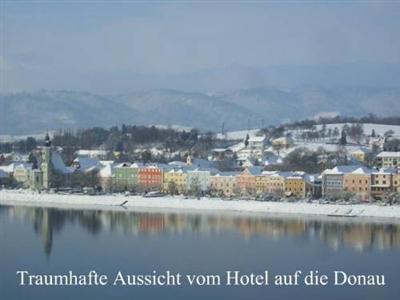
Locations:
column 16, row 197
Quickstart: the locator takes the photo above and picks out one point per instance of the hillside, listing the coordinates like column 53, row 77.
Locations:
column 28, row 113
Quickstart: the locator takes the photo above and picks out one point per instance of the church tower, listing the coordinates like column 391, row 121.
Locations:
column 46, row 162
column 189, row 159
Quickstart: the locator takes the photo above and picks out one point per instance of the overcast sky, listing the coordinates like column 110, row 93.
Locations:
column 47, row 44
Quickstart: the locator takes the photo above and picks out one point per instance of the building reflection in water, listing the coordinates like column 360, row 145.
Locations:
column 335, row 233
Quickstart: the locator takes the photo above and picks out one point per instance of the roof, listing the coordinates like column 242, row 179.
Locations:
column 341, row 170
column 292, row 175
column 257, row 138
column 107, row 171
column 362, row 170
column 389, row 154
column 59, row 164
column 256, row 170
column 202, row 163
column 3, row 174
column 23, row 166
column 87, row 164
column 386, row 171
column 227, row 174
column 177, row 163
column 85, row 152
column 312, row 177
column 360, row 150
column 221, row 150
column 9, row 168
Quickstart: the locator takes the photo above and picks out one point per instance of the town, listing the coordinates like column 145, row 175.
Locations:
column 331, row 162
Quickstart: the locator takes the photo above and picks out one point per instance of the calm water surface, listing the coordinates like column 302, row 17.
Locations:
column 53, row 241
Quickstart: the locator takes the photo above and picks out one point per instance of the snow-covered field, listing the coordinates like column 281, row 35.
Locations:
column 24, row 197
column 380, row 129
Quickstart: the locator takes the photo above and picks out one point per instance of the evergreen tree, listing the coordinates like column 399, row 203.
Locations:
column 33, row 160
column 343, row 138
column 246, row 141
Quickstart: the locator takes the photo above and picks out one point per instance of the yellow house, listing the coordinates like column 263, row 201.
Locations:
column 295, row 185
column 381, row 183
column 22, row 174
column 176, row 178
column 358, row 182
column 224, row 183
column 262, row 182
column 359, row 155
column 275, row 183
column 396, row 182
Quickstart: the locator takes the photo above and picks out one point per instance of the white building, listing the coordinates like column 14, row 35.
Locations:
column 387, row 159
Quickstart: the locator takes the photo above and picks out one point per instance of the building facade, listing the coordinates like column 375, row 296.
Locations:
column 224, row 183
column 150, row 177
column 295, row 186
column 126, row 176
column 381, row 183
column 388, row 159
column 358, row 182
column 177, row 178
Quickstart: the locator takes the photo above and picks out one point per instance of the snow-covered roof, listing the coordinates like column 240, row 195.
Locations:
column 9, row 168
column 59, row 165
column 87, row 164
column 361, row 171
column 360, row 151
column 292, row 175
column 4, row 174
column 227, row 174
column 91, row 153
column 257, row 138
column 389, row 154
column 23, row 166
column 180, row 170
column 202, row 163
column 237, row 147
column 177, row 163
column 123, row 165
column 255, row 170
column 386, row 171
column 268, row 173
column 312, row 177
column 341, row 170
column 107, row 171
column 221, row 150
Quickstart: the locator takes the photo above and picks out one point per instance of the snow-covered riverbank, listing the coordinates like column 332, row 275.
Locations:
column 206, row 204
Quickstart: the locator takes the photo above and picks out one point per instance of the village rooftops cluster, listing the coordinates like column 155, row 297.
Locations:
column 201, row 176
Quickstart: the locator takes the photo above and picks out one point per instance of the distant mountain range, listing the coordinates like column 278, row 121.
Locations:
column 26, row 113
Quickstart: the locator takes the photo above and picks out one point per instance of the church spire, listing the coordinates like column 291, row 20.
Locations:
column 47, row 141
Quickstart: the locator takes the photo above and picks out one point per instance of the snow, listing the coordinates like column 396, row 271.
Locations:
column 25, row 197
column 87, row 164
column 380, row 129
column 389, row 154
column 3, row 174
column 91, row 153
column 59, row 165
column 238, row 135
column 107, row 171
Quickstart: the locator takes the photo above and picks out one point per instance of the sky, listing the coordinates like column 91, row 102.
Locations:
column 70, row 44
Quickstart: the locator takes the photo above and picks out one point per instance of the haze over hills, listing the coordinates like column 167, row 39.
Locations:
column 27, row 113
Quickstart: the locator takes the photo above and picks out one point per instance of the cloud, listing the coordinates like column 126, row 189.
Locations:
column 183, row 37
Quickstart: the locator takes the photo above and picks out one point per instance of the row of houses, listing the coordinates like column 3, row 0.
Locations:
column 358, row 181
column 363, row 182
column 180, row 177
column 189, row 178
column 200, row 176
